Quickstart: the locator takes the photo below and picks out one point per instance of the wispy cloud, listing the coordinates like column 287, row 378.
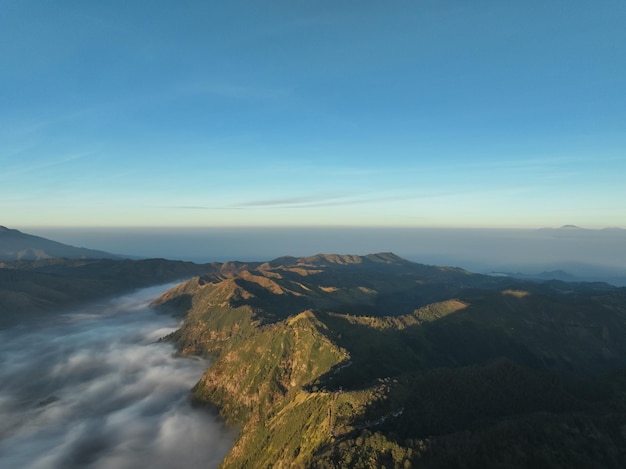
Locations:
column 22, row 169
column 314, row 201
column 201, row 207
column 232, row 91
column 290, row 201
column 37, row 125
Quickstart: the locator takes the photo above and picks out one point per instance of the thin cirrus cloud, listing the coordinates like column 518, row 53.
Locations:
column 45, row 164
column 290, row 201
column 285, row 202
column 233, row 91
column 313, row 201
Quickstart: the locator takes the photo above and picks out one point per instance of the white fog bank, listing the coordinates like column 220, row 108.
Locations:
column 95, row 390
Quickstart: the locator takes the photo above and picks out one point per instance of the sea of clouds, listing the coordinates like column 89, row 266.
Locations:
column 95, row 389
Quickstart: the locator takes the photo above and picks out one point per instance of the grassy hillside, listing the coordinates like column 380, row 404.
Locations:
column 348, row 361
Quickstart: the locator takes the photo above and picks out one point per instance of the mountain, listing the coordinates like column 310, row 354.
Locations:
column 15, row 245
column 335, row 361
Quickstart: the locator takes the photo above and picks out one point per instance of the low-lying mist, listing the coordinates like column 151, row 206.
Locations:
column 94, row 389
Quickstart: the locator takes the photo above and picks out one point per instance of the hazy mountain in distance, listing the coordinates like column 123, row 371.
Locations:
column 15, row 245
column 575, row 229
column 546, row 275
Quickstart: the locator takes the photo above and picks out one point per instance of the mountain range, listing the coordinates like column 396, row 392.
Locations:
column 338, row 361
column 350, row 361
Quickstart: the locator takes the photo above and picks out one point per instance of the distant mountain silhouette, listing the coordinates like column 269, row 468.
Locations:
column 557, row 274
column 15, row 245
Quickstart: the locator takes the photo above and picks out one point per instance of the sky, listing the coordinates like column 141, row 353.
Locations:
column 312, row 113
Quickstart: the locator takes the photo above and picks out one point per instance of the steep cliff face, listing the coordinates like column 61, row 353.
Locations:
column 348, row 361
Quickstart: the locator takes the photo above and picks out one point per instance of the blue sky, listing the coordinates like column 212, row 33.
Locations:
column 332, row 113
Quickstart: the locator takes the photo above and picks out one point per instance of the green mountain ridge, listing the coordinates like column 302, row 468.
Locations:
column 365, row 361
